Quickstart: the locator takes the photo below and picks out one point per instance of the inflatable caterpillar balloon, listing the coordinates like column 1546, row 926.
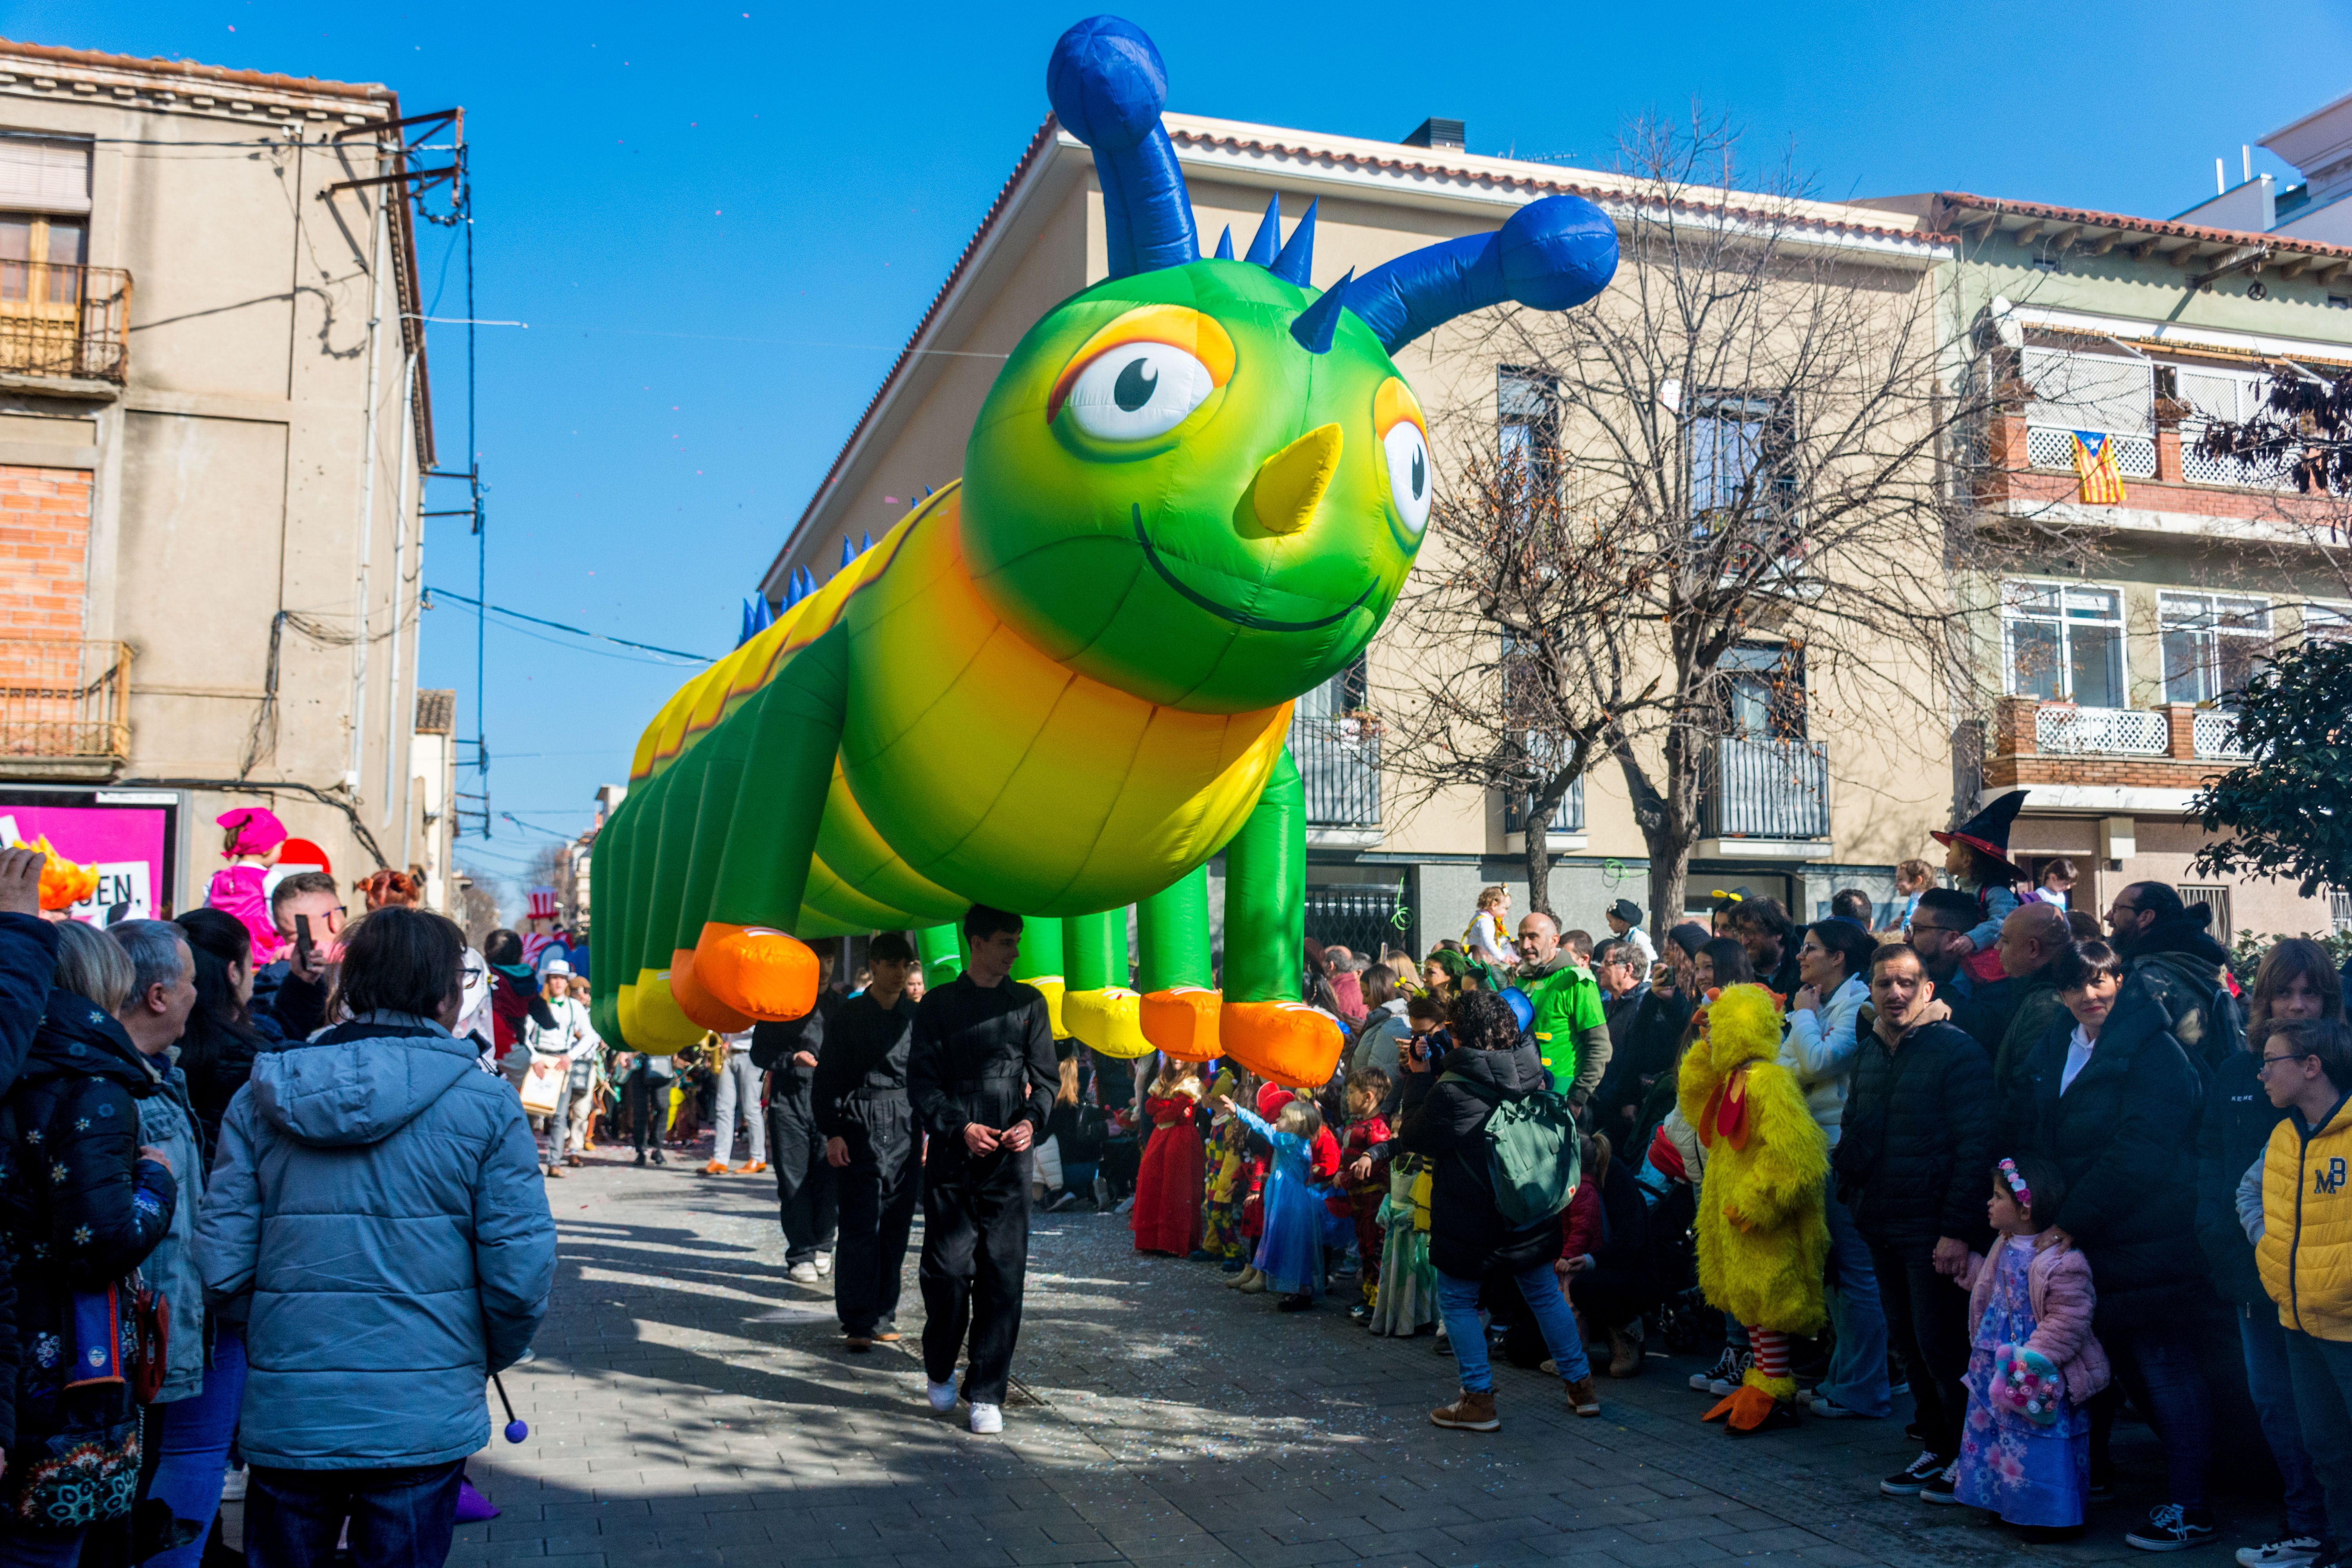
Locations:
column 1062, row 685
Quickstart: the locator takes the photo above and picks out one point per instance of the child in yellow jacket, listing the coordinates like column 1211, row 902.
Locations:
column 1763, row 1238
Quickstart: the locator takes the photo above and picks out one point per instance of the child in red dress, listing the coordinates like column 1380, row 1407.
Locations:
column 1167, row 1216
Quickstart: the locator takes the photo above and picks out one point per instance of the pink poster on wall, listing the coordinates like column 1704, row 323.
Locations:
column 125, row 843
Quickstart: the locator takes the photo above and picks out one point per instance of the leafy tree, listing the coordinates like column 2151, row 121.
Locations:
column 2286, row 809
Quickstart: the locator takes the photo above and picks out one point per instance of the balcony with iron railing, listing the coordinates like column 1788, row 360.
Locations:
column 64, row 324
column 1764, row 797
column 1338, row 760
column 2060, row 744
column 65, row 709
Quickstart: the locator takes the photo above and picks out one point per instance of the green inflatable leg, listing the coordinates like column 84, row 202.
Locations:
column 1266, row 894
column 744, row 957
column 942, row 950
column 1263, row 1025
column 1094, row 950
column 1171, row 936
column 1180, row 1008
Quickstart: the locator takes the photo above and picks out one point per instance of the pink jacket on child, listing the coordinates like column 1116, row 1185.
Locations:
column 2058, row 1283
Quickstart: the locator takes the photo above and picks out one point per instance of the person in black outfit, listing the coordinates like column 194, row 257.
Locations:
column 2112, row 1098
column 981, row 1076
column 806, row 1197
column 859, row 1099
column 1981, row 1008
column 1914, row 1154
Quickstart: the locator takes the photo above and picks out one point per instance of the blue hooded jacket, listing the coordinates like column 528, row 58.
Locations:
column 378, row 1196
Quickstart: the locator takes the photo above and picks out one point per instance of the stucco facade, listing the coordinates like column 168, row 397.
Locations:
column 245, row 431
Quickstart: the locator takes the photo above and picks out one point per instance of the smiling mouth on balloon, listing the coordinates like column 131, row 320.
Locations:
column 1226, row 611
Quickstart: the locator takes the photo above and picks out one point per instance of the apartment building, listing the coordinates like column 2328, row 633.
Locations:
column 1791, row 813
column 214, row 414
column 2110, row 651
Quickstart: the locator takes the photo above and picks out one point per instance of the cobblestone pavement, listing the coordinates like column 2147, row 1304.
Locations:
column 689, row 1403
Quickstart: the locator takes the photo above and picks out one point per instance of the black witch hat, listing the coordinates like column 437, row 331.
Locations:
column 1988, row 831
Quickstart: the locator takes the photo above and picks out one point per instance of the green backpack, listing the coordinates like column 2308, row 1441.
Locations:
column 1534, row 1153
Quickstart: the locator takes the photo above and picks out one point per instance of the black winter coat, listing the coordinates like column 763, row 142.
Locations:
column 1915, row 1152
column 81, row 1211
column 2121, row 1136
column 29, row 956
column 1652, row 1029
column 2235, row 1133
column 1446, row 1121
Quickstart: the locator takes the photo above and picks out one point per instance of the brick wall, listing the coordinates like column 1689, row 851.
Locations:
column 43, row 550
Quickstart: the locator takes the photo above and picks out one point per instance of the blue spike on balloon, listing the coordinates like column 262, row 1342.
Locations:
column 927, row 492
column 865, row 542
column 847, row 554
column 1317, row 324
column 765, row 613
column 749, row 625
column 1297, row 257
column 1226, row 244
column 1269, row 233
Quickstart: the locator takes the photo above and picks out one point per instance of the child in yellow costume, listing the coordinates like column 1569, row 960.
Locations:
column 1762, row 1237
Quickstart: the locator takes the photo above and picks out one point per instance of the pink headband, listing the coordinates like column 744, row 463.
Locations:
column 2016, row 1182
column 254, row 830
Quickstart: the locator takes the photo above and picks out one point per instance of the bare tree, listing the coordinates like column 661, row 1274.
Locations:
column 478, row 907
column 1525, row 606
column 1757, row 487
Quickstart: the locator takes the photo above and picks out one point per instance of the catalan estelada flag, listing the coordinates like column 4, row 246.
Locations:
column 2094, row 465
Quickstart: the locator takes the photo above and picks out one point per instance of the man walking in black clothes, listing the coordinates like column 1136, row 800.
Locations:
column 981, row 1076
column 787, row 1054
column 862, row 1111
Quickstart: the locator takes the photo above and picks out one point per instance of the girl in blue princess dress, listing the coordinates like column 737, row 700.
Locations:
column 1290, row 1252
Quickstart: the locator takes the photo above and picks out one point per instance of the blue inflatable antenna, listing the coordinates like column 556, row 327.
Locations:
column 1316, row 325
column 1269, row 233
column 1297, row 257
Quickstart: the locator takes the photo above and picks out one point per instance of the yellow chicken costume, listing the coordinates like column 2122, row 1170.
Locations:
column 1762, row 1237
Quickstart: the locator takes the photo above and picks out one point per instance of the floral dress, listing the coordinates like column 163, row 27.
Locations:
column 2026, row 1472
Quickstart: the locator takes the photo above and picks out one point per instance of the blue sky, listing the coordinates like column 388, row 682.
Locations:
column 719, row 219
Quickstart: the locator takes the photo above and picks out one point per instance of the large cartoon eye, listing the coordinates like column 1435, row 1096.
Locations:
column 1136, row 390
column 1409, row 473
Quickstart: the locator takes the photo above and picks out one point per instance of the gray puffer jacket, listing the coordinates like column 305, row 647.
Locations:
column 378, row 1196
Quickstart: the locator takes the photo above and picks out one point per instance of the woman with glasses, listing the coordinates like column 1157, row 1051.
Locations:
column 2296, row 983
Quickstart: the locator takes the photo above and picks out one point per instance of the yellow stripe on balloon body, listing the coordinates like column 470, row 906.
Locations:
column 995, row 771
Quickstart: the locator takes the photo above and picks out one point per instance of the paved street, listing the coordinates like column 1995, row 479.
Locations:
column 689, row 1400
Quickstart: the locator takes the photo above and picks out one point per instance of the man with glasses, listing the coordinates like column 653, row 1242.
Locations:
column 1943, row 917
column 294, row 989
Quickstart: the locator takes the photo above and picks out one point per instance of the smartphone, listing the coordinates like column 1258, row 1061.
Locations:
column 302, row 948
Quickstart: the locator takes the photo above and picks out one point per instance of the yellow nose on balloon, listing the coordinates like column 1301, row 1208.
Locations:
column 1290, row 484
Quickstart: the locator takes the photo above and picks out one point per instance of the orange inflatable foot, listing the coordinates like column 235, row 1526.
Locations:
column 1182, row 1022
column 1744, row 1409
column 766, row 976
column 1284, row 1042
column 697, row 1004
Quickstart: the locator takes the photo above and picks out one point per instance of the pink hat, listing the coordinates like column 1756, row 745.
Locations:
column 252, row 830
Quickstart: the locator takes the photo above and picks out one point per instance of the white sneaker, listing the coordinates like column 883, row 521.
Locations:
column 232, row 1488
column 803, row 1273
column 2294, row 1552
column 824, row 1263
column 987, row 1419
column 942, row 1395
column 1126, row 1205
